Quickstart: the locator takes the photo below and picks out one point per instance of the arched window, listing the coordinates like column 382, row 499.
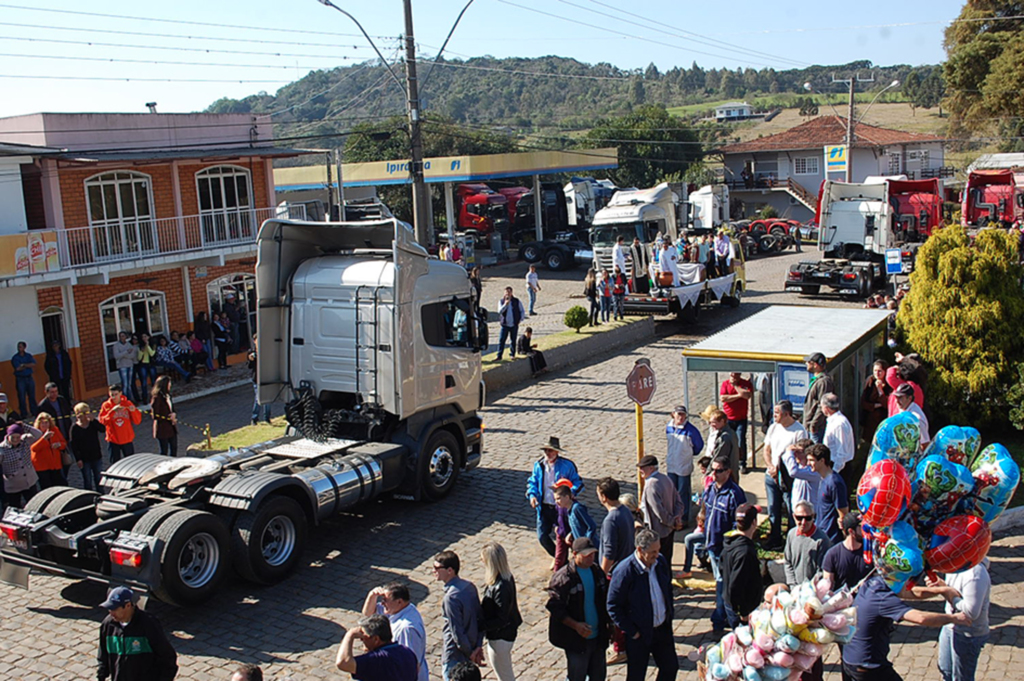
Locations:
column 120, row 214
column 238, row 290
column 135, row 312
column 225, row 204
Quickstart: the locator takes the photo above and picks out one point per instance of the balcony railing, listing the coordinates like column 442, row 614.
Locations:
column 943, row 172
column 120, row 240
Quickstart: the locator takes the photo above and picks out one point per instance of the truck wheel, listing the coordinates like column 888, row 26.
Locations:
column 439, row 465
column 777, row 230
column 39, row 502
column 530, row 252
column 556, row 259
column 810, row 290
column 266, row 544
column 73, row 500
column 734, row 300
column 154, row 518
column 195, row 557
column 689, row 314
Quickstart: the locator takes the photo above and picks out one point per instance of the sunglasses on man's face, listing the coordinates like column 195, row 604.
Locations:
column 803, row 518
column 716, row 471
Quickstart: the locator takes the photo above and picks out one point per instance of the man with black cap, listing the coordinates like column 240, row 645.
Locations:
column 133, row 646
column 741, row 568
column 551, row 468
column 821, row 383
column 661, row 505
column 579, row 622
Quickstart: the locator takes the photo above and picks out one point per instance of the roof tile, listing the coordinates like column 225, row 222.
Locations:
column 826, row 130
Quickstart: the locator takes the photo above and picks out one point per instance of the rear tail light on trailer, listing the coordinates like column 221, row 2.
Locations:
column 849, row 276
column 126, row 557
column 13, row 534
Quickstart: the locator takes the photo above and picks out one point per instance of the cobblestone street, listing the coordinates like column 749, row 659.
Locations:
column 292, row 629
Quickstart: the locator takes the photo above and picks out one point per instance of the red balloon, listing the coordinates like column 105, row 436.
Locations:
column 883, row 493
column 958, row 543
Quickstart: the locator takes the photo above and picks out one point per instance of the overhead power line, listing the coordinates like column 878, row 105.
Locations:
column 184, row 22
column 159, row 62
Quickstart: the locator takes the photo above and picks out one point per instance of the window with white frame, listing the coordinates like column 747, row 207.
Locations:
column 806, row 165
column 895, row 164
column 134, row 313
column 225, row 204
column 120, row 214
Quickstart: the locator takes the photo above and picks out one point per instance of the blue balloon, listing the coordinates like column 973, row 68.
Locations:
column 940, row 481
column 899, row 558
column 899, row 438
column 959, row 444
column 996, row 476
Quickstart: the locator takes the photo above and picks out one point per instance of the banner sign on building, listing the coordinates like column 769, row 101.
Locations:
column 835, row 158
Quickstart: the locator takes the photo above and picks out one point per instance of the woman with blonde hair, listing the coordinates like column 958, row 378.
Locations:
column 47, row 451
column 500, row 610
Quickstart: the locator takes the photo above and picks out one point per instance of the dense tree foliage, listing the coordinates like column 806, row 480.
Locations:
column 924, row 87
column 487, row 91
column 652, row 145
column 984, row 69
column 963, row 316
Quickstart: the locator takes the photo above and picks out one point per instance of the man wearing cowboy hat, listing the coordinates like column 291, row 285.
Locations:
column 540, row 489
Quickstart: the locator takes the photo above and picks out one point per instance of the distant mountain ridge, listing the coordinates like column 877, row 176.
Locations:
column 565, row 94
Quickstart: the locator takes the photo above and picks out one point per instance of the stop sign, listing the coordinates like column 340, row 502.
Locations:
column 640, row 384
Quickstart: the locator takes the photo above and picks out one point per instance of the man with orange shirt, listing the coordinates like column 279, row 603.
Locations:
column 118, row 414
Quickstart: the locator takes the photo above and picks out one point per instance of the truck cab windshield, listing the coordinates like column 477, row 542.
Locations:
column 606, row 235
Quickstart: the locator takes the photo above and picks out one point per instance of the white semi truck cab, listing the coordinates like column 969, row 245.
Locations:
column 376, row 349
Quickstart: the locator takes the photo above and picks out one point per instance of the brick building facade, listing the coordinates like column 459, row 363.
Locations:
column 131, row 223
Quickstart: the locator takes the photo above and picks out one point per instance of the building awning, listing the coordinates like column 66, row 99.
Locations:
column 198, row 153
column 786, row 333
column 450, row 169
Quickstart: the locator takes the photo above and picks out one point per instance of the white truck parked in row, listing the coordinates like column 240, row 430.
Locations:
column 379, row 344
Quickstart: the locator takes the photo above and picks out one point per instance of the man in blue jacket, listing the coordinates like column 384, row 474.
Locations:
column 539, row 489
column 721, row 500
column 581, row 524
column 642, row 609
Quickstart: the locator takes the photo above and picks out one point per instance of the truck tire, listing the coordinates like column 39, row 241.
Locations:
column 266, row 544
column 73, row 500
column 154, row 518
column 689, row 314
column 733, row 301
column 39, row 502
column 777, row 230
column 195, row 557
column 557, row 258
column 439, row 465
column 530, row 252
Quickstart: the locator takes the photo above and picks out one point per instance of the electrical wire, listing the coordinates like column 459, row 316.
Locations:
column 170, row 63
column 183, row 22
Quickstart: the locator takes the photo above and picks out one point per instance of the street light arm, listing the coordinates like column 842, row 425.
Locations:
column 328, row 3
column 445, row 43
column 891, row 85
column 810, row 88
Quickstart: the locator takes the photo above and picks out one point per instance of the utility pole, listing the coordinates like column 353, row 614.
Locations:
column 421, row 207
column 852, row 81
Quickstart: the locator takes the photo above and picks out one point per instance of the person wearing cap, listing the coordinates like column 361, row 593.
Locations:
column 741, row 568
column 721, row 499
column 133, row 645
column 540, row 489
column 20, row 477
column 662, row 507
column 579, row 623
column 684, row 443
column 581, row 524
column 735, row 393
column 844, row 563
column 907, row 369
column 821, row 383
column 640, row 604
column 904, row 395
column 7, row 415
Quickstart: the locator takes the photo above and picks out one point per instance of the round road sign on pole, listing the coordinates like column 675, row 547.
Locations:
column 640, row 384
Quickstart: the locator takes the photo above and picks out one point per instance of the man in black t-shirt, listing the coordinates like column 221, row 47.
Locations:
column 844, row 563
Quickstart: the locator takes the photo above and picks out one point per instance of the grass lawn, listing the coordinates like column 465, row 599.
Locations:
column 554, row 340
column 249, row 435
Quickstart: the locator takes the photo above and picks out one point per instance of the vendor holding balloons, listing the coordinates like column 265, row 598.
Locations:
column 866, row 656
column 905, row 400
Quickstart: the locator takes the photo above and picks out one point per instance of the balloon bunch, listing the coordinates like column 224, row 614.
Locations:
column 786, row 637
column 931, row 511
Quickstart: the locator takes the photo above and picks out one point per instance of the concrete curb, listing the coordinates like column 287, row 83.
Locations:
column 1011, row 519
column 212, row 390
column 513, row 373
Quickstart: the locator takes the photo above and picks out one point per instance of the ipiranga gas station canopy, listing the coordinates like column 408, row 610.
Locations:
column 449, row 169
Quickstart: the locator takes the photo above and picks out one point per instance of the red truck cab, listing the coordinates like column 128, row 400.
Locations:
column 991, row 197
column 917, row 205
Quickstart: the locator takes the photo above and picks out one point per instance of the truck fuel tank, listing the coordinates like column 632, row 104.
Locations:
column 362, row 473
